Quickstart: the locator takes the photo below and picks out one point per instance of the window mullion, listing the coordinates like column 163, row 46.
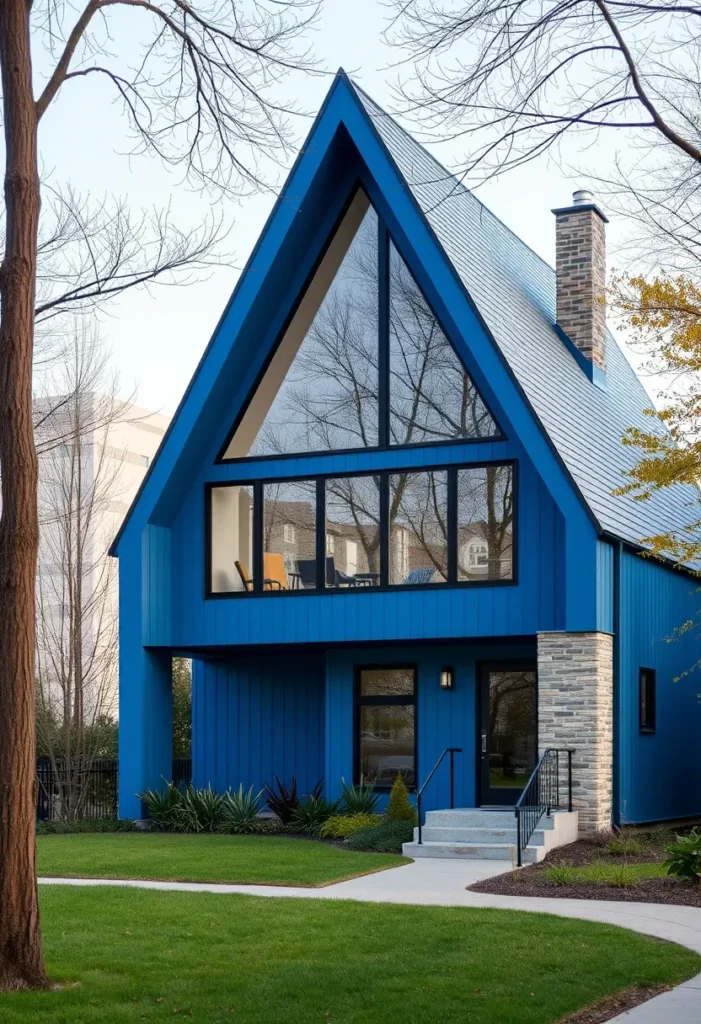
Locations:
column 452, row 525
column 258, row 492
column 320, row 533
column 384, row 529
column 383, row 333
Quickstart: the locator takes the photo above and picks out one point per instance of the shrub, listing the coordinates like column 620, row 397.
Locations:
column 163, row 806
column 341, row 826
column 283, row 802
column 57, row 828
column 240, row 811
column 312, row 814
column 385, row 838
column 399, row 806
column 360, row 799
column 621, row 876
column 201, row 810
column 561, row 874
column 684, row 860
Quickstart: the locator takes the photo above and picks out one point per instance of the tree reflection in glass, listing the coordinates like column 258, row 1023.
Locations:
column 432, row 397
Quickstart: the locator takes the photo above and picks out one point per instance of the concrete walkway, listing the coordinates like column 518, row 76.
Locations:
column 443, row 882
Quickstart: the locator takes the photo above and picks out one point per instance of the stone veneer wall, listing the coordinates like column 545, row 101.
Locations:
column 580, row 242
column 575, row 709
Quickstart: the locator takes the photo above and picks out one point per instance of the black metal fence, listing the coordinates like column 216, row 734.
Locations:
column 72, row 790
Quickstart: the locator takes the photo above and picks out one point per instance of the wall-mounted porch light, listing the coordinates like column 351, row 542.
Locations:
column 446, row 679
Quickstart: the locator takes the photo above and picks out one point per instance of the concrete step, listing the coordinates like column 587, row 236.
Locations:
column 465, row 851
column 431, row 834
column 471, row 817
column 474, row 834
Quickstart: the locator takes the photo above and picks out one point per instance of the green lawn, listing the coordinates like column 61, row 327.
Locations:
column 130, row 955
column 204, row 858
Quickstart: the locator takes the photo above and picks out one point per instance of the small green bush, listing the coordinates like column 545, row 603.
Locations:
column 340, row 826
column 684, row 857
column 163, row 806
column 385, row 838
column 59, row 828
column 241, row 811
column 311, row 814
column 621, row 876
column 360, row 799
column 399, row 806
column 201, row 810
column 561, row 874
column 624, row 847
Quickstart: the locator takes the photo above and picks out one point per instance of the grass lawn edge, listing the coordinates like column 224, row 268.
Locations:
column 401, row 862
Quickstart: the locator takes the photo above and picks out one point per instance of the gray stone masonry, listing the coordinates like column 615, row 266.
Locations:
column 575, row 709
column 580, row 262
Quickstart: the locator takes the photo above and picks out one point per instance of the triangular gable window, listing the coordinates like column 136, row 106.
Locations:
column 329, row 386
column 431, row 395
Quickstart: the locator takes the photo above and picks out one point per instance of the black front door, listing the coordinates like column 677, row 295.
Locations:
column 507, row 742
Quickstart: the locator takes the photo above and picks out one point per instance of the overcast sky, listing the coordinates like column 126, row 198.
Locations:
column 158, row 337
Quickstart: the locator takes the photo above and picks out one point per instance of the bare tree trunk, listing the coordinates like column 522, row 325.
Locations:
column 21, row 959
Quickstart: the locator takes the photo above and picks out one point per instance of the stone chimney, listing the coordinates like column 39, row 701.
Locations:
column 580, row 263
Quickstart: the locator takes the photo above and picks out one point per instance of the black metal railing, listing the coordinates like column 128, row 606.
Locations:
column 549, row 788
column 419, row 793
column 69, row 789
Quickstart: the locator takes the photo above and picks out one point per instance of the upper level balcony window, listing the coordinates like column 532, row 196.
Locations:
column 363, row 362
column 391, row 529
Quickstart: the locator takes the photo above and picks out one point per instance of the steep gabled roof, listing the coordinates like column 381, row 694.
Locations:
column 514, row 291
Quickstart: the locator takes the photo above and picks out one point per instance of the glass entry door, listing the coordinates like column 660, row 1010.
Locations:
column 508, row 743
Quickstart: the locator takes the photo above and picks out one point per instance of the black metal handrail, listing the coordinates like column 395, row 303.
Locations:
column 419, row 793
column 541, row 795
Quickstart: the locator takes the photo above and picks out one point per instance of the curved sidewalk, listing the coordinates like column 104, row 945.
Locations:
column 443, row 882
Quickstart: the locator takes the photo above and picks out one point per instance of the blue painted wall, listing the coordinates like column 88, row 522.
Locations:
column 659, row 776
column 254, row 718
column 444, row 718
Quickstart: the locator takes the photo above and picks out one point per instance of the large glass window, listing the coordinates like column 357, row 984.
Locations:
column 406, row 528
column 386, row 740
column 431, row 395
column 231, row 530
column 485, row 523
column 289, row 536
column 353, row 531
column 329, row 386
column 320, row 390
column 418, row 533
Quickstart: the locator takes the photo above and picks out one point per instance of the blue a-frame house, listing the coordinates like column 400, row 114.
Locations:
column 383, row 520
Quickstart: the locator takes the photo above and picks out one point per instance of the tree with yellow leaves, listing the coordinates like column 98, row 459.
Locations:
column 663, row 317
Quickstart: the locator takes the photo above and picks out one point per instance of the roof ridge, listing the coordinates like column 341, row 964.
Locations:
column 449, row 173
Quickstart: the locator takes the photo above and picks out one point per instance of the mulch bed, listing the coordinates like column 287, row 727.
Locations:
column 610, row 1006
column 533, row 881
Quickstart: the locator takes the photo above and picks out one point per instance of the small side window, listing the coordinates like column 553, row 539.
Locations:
column 646, row 699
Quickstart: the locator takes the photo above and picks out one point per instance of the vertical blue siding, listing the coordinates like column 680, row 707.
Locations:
column 659, row 775
column 444, row 718
column 254, row 718
column 604, row 586
column 157, row 598
column 145, row 692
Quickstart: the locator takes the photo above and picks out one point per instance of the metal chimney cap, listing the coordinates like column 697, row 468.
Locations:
column 582, row 197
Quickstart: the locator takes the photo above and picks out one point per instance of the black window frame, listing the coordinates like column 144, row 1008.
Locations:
column 452, row 470
column 647, row 701
column 383, row 397
column 360, row 701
